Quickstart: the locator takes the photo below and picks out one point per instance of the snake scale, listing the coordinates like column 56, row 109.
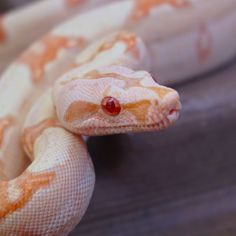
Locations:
column 91, row 75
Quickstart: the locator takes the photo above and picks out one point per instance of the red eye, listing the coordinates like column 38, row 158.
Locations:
column 111, row 106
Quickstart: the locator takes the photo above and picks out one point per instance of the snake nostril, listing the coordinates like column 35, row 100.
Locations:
column 172, row 111
column 111, row 106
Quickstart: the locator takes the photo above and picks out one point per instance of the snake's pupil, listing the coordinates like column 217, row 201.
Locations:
column 111, row 106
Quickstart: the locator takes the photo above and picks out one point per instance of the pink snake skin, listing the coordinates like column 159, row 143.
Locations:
column 89, row 76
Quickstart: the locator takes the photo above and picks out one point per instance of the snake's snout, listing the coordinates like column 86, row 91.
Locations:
column 165, row 110
column 171, row 107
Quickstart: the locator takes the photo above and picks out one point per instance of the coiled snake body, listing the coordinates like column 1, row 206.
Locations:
column 88, row 77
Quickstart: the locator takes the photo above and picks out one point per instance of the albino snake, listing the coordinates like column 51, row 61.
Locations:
column 86, row 77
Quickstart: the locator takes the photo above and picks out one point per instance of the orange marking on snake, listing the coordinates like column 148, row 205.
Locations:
column 129, row 39
column 46, row 51
column 30, row 134
column 2, row 31
column 130, row 82
column 204, row 44
column 134, row 82
column 161, row 91
column 26, row 232
column 138, row 109
column 143, row 7
column 27, row 185
column 73, row 3
column 5, row 123
column 79, row 110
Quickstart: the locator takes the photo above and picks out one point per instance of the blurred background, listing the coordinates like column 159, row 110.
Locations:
column 179, row 182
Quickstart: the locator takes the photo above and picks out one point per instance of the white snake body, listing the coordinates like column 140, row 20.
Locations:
column 97, row 91
column 200, row 33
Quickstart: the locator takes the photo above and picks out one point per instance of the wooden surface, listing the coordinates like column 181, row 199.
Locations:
column 180, row 182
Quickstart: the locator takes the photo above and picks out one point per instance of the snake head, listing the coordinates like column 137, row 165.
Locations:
column 115, row 99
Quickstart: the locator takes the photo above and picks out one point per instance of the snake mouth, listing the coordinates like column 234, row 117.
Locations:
column 167, row 121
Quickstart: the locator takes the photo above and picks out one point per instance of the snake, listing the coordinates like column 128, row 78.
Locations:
column 97, row 73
